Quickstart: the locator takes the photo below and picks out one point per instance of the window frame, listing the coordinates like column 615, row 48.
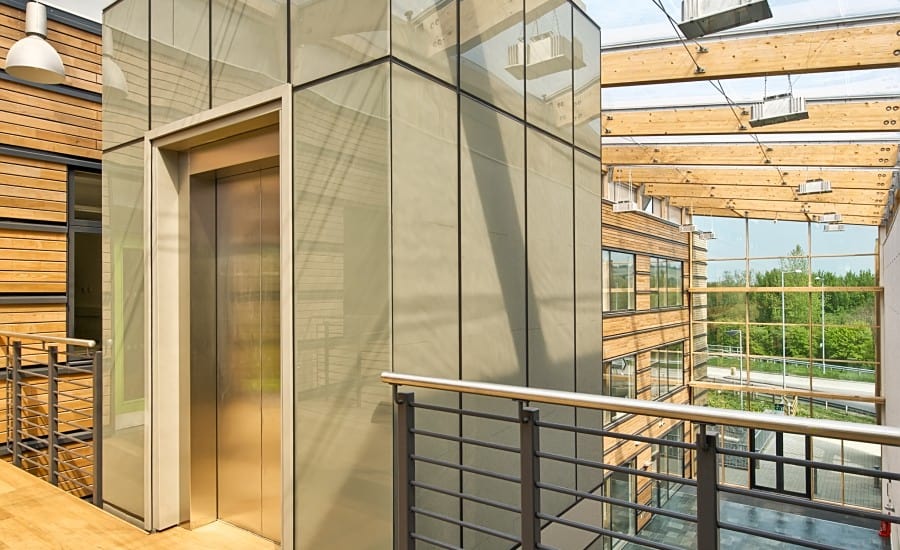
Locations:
column 609, row 304
column 666, row 282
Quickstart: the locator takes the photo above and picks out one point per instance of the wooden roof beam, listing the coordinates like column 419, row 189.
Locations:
column 786, row 177
column 798, row 207
column 842, row 47
column 788, row 194
column 824, row 116
column 781, row 215
column 877, row 155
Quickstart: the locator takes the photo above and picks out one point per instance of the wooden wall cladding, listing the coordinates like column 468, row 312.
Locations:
column 627, row 324
column 44, row 319
column 80, row 50
column 31, row 190
column 643, row 234
column 32, row 262
column 618, row 346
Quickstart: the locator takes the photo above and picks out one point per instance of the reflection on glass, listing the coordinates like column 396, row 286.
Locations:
column 769, row 272
column 549, row 53
column 424, row 34
column 618, row 273
column 328, row 37
column 726, row 273
column 249, row 47
column 776, row 238
column 619, row 381
column 489, row 34
column 123, row 328
column 587, row 86
column 125, row 67
column 425, row 263
column 341, row 318
column 854, row 239
column 731, row 236
column 621, row 486
column 179, row 64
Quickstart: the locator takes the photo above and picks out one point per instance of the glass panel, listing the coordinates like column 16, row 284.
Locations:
column 123, row 328
column 492, row 196
column 587, row 84
column 86, row 190
column 621, row 486
column 848, row 271
column 249, row 47
column 673, row 283
column 731, row 236
column 795, row 476
column 769, row 272
column 773, row 238
column 726, row 306
column 726, row 273
column 619, row 381
column 343, row 471
column 179, row 61
column 764, row 441
column 424, row 35
column 125, row 66
column 548, row 65
column 328, row 37
column 618, row 269
column 588, row 309
column 826, row 483
column 551, row 295
column 735, row 469
column 860, row 490
column 489, row 34
column 854, row 239
column 425, row 248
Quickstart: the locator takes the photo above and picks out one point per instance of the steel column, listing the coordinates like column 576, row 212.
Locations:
column 529, row 437
column 405, row 471
column 707, row 491
column 52, row 413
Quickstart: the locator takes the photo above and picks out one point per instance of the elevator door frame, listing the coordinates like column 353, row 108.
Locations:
column 167, row 229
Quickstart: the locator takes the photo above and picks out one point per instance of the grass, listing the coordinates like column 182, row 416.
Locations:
column 759, row 365
column 756, row 403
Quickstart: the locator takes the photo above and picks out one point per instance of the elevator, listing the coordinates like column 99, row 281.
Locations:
column 235, row 346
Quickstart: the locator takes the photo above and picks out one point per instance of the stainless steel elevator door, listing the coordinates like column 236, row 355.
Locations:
column 248, row 351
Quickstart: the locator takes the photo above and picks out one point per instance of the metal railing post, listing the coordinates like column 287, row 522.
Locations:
column 707, row 491
column 405, row 468
column 97, row 428
column 529, row 437
column 52, row 413
column 16, row 404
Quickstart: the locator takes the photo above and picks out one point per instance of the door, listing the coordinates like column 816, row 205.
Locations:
column 776, row 476
column 248, row 417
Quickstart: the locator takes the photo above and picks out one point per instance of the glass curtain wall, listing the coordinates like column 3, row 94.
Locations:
column 794, row 307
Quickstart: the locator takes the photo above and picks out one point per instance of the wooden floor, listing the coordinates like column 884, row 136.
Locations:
column 35, row 515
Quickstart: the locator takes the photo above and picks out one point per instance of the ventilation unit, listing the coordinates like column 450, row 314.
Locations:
column 625, row 206
column 701, row 17
column 687, row 228
column 546, row 53
column 833, row 227
column 777, row 109
column 830, row 218
column 814, row 187
column 707, row 235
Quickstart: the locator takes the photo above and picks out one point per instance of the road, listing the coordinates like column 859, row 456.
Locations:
column 825, row 385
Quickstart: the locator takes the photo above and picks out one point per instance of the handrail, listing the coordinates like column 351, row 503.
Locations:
column 51, row 339
column 881, row 435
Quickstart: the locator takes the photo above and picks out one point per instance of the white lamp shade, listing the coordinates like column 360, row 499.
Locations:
column 115, row 85
column 32, row 58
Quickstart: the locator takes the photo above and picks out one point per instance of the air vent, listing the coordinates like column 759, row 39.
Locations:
column 830, row 218
column 687, row 228
column 547, row 53
column 701, row 17
column 707, row 235
column 777, row 109
column 833, row 227
column 814, row 187
column 625, row 206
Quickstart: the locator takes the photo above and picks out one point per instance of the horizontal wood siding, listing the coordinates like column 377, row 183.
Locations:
column 32, row 190
column 32, row 262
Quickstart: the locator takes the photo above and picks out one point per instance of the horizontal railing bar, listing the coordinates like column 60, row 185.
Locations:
column 74, row 482
column 50, row 339
column 770, row 535
column 70, row 466
column 32, row 373
column 76, row 384
column 74, row 411
column 466, row 496
column 607, row 433
column 434, row 542
column 77, row 437
column 465, row 440
column 882, row 435
column 30, row 448
column 33, row 461
column 808, row 503
column 617, row 502
column 465, row 524
column 465, row 412
column 30, row 424
column 621, row 469
column 463, row 468
column 601, row 531
column 803, row 463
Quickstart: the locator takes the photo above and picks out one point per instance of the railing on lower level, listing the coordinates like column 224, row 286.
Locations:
column 481, row 465
column 53, row 410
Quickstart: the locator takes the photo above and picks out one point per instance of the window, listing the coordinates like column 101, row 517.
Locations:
column 618, row 270
column 667, row 369
column 621, row 519
column 618, row 381
column 665, row 283
column 669, row 461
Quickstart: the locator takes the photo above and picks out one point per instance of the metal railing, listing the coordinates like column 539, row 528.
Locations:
column 549, row 509
column 53, row 410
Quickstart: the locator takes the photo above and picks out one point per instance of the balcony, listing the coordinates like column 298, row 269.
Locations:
column 489, row 465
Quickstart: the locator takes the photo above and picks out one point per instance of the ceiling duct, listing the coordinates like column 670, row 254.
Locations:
column 814, row 187
column 833, row 227
column 777, row 109
column 830, row 218
column 702, row 17
column 544, row 54
column 689, row 228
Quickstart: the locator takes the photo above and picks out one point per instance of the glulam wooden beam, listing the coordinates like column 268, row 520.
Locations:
column 774, row 211
column 773, row 193
column 785, row 177
column 878, row 155
column 824, row 117
column 839, row 48
column 806, row 205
